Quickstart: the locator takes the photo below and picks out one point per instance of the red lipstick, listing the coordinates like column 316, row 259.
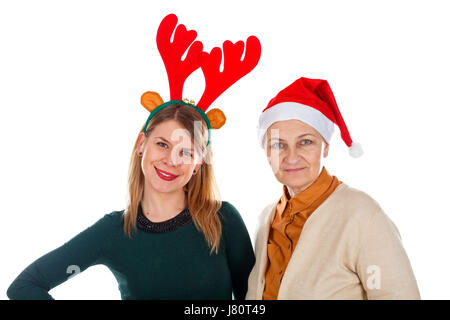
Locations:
column 167, row 176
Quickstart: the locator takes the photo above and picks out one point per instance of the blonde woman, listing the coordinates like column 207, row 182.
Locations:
column 175, row 239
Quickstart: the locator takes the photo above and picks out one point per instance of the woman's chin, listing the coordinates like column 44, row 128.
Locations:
column 165, row 187
column 294, row 182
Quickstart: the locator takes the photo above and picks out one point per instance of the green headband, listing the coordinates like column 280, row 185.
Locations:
column 171, row 102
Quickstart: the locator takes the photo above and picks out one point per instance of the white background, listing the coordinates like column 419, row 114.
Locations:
column 72, row 73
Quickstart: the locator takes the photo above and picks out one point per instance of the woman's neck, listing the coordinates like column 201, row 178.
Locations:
column 162, row 206
column 293, row 191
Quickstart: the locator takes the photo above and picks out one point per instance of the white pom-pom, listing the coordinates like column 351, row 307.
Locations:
column 356, row 150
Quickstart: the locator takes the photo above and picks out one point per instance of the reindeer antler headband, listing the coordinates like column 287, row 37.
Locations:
column 179, row 70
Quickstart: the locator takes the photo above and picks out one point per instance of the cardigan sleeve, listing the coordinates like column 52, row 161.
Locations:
column 382, row 263
column 52, row 269
column 239, row 250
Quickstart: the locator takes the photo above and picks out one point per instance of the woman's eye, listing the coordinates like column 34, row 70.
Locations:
column 277, row 145
column 186, row 154
column 306, row 142
column 162, row 144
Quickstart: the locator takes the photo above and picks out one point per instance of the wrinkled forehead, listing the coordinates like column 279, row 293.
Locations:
column 290, row 129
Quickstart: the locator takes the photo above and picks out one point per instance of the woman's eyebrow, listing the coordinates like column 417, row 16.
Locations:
column 163, row 139
column 298, row 137
column 277, row 139
column 305, row 134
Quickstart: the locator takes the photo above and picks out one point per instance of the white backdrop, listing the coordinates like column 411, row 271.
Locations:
column 72, row 73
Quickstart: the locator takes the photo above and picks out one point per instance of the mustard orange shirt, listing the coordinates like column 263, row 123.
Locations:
column 291, row 215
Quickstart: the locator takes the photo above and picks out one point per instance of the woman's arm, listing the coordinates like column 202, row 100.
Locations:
column 84, row 250
column 382, row 263
column 239, row 249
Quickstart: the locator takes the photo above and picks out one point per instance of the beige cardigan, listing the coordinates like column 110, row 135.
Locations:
column 348, row 249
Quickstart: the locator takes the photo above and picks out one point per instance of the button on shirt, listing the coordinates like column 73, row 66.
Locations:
column 291, row 215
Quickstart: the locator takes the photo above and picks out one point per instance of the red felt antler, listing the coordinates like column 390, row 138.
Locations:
column 171, row 52
column 234, row 69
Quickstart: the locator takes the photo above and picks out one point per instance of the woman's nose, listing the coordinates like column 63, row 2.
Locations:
column 292, row 156
column 172, row 158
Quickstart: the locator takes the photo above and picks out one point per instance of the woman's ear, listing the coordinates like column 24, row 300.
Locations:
column 141, row 142
column 326, row 149
column 198, row 166
column 197, row 169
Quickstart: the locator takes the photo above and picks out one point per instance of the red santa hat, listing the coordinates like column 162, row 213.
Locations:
column 310, row 101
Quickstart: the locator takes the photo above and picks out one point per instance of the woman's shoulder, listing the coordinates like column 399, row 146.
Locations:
column 228, row 212
column 353, row 202
column 230, row 217
column 233, row 225
column 353, row 197
column 114, row 216
column 359, row 207
column 110, row 221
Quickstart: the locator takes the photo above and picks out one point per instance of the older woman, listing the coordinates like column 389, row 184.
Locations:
column 322, row 239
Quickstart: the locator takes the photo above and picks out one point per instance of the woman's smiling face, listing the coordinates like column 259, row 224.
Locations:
column 295, row 150
column 168, row 157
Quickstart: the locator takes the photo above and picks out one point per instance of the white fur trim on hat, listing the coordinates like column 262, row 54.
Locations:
column 356, row 150
column 295, row 111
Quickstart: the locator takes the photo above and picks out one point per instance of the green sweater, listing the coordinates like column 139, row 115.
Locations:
column 169, row 265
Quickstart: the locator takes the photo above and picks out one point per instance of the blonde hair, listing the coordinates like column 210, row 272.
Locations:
column 201, row 191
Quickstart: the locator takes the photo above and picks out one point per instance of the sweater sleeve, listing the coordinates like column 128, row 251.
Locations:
column 52, row 269
column 382, row 264
column 239, row 250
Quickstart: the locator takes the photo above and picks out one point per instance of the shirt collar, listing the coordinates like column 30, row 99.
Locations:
column 307, row 197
